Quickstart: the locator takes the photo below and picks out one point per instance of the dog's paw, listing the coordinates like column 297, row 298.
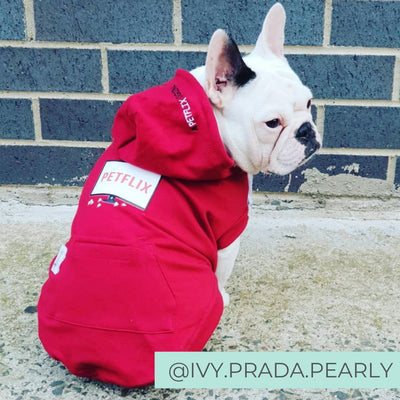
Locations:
column 225, row 296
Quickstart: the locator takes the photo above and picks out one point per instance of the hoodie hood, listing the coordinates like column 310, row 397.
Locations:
column 171, row 130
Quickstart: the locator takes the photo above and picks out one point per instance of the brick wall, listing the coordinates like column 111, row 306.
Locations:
column 67, row 65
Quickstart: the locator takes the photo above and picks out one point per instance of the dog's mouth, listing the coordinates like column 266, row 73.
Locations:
column 312, row 147
column 286, row 160
column 292, row 149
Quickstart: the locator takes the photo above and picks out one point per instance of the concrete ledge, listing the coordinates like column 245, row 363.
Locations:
column 326, row 206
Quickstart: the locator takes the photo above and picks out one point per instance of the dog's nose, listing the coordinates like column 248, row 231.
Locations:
column 306, row 136
column 305, row 133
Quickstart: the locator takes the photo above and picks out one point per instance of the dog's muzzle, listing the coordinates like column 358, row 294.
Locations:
column 307, row 137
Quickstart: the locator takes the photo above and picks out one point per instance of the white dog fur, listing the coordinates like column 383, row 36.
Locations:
column 258, row 121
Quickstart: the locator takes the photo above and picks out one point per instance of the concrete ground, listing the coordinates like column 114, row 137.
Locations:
column 313, row 274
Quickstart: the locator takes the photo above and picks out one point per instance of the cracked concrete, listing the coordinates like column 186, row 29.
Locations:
column 313, row 274
column 349, row 184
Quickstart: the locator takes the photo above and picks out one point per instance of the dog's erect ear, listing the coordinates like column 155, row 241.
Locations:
column 225, row 69
column 272, row 35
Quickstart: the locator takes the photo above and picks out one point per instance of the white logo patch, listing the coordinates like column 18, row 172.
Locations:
column 127, row 182
column 62, row 253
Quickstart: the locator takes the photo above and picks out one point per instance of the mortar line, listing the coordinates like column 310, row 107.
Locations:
column 396, row 80
column 105, row 82
column 391, row 169
column 123, row 96
column 177, row 22
column 287, row 187
column 37, row 122
column 98, row 46
column 321, row 120
column 356, row 103
column 102, row 144
column 110, row 97
column 359, row 152
column 29, row 20
column 53, row 143
column 306, row 50
column 342, row 50
column 327, row 23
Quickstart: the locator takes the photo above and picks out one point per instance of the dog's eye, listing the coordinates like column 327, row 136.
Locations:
column 309, row 103
column 274, row 123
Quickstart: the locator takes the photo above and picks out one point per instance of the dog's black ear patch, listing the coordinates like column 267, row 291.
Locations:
column 241, row 73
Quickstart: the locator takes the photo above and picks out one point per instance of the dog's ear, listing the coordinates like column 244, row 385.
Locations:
column 272, row 35
column 225, row 69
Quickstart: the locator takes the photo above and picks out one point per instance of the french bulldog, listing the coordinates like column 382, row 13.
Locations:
column 157, row 229
column 262, row 108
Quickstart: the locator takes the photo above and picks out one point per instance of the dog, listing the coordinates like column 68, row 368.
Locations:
column 158, row 225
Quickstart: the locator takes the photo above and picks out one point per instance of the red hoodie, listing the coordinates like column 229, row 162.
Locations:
column 138, row 274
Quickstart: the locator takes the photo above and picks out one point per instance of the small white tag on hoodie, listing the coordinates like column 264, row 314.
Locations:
column 62, row 253
column 127, row 182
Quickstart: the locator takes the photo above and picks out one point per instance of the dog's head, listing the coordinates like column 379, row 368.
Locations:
column 262, row 108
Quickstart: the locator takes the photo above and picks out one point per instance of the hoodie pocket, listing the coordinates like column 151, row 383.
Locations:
column 108, row 286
